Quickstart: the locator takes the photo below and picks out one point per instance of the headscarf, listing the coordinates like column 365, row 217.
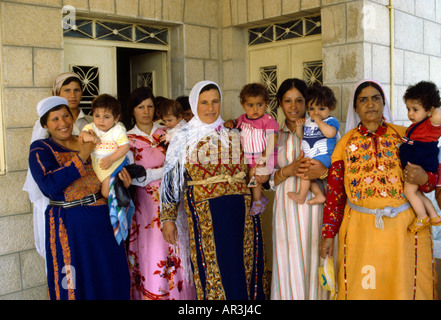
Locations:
column 183, row 143
column 352, row 119
column 40, row 202
column 58, row 83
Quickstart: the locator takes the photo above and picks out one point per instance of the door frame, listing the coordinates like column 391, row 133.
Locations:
column 121, row 44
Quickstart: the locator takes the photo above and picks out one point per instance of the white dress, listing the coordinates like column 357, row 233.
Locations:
column 296, row 234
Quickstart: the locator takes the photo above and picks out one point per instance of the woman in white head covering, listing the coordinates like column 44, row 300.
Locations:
column 68, row 86
column 79, row 236
column 378, row 257
column 205, row 161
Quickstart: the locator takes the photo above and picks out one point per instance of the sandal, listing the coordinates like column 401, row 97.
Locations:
column 414, row 227
column 433, row 221
column 258, row 206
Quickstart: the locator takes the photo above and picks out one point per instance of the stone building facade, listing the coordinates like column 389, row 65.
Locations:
column 208, row 39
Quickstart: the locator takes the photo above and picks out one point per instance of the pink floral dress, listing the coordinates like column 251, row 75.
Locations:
column 156, row 269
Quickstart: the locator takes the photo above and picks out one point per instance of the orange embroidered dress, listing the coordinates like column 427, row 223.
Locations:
column 392, row 263
column 83, row 259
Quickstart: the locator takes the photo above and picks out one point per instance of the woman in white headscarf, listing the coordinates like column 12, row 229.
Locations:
column 67, row 85
column 379, row 258
column 205, row 161
column 83, row 259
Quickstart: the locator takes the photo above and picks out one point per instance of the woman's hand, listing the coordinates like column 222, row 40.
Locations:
column 315, row 170
column 326, row 247
column 85, row 148
column 415, row 174
column 170, row 232
column 125, row 177
column 298, row 167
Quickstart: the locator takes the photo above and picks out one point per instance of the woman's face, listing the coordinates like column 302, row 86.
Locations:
column 209, row 104
column 369, row 106
column 293, row 106
column 60, row 124
column 144, row 112
column 72, row 92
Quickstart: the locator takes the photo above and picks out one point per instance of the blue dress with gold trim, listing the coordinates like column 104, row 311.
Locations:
column 83, row 259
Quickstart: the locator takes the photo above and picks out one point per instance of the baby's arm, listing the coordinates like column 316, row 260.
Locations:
column 230, row 124
column 299, row 127
column 107, row 162
column 436, row 117
column 327, row 130
column 89, row 136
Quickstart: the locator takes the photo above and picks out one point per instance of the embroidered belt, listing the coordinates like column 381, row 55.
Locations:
column 237, row 178
column 91, row 198
column 389, row 212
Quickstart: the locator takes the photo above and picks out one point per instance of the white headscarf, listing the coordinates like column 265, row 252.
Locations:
column 352, row 119
column 183, row 144
column 40, row 202
column 59, row 81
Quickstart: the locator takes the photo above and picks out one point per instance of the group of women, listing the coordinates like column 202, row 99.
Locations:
column 192, row 236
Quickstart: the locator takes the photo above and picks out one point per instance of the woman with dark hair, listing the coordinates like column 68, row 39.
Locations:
column 158, row 270
column 379, row 257
column 83, row 259
column 296, row 227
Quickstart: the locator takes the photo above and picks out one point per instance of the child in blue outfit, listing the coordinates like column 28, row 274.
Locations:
column 319, row 137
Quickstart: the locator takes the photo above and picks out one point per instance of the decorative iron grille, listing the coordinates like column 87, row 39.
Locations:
column 268, row 76
column 145, row 80
column 91, row 85
column 116, row 31
column 298, row 28
column 313, row 72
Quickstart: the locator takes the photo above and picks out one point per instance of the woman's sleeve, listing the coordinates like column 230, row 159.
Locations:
column 335, row 200
column 431, row 182
column 50, row 177
column 169, row 207
column 169, row 200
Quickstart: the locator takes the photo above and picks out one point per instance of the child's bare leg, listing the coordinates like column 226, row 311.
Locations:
column 411, row 193
column 256, row 192
column 430, row 209
column 105, row 185
column 319, row 195
column 300, row 196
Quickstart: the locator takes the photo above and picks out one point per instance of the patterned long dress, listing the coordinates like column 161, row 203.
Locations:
column 83, row 258
column 155, row 266
column 296, row 234
column 226, row 242
column 375, row 263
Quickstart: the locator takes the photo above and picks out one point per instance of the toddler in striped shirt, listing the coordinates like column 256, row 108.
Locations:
column 259, row 134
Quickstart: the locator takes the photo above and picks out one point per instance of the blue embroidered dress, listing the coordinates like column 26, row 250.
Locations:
column 83, row 258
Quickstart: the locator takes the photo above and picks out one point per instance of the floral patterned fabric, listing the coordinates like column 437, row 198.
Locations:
column 155, row 266
column 383, row 264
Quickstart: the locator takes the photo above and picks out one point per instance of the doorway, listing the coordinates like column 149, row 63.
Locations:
column 109, row 67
